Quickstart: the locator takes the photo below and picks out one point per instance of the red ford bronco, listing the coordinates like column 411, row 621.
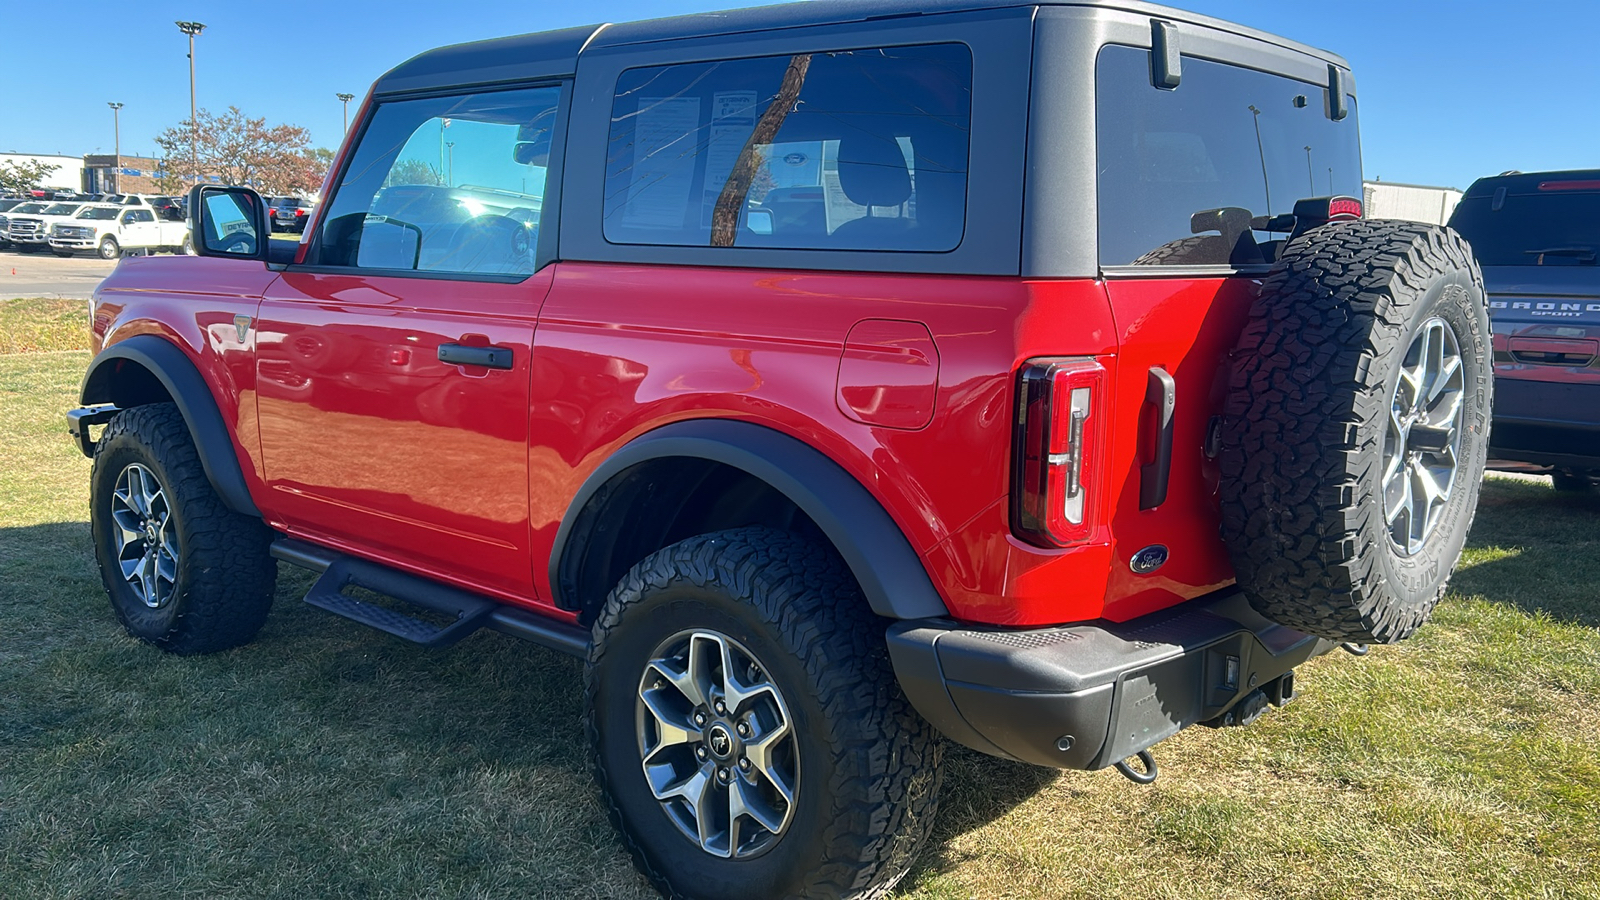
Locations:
column 835, row 379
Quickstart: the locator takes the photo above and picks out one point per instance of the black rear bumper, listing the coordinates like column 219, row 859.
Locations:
column 1087, row 696
column 1546, row 423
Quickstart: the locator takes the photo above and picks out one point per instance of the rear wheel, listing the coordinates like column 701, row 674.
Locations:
column 109, row 249
column 748, row 732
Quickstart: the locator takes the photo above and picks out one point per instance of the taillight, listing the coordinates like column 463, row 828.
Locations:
column 1344, row 208
column 1056, row 450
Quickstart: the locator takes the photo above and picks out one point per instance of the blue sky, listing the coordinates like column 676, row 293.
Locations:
column 1449, row 91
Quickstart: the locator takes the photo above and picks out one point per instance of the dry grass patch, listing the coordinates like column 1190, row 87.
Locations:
column 40, row 324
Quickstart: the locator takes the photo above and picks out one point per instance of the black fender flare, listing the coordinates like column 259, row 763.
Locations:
column 188, row 389
column 888, row 569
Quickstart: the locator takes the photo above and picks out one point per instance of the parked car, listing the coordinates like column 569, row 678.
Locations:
column 1055, row 466
column 1537, row 236
column 167, row 208
column 31, row 232
column 290, row 213
column 6, row 206
column 113, row 231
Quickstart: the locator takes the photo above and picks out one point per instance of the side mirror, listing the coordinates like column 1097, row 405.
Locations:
column 127, row 218
column 228, row 222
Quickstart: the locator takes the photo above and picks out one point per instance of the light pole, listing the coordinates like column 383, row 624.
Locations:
column 345, row 99
column 450, row 179
column 192, row 29
column 116, row 130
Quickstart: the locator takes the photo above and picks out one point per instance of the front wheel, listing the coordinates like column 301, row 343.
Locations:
column 748, row 732
column 183, row 571
column 109, row 249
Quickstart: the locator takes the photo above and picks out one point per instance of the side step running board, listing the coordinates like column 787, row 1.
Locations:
column 463, row 612
column 467, row 611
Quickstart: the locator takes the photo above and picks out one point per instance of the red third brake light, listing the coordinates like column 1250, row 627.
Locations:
column 1569, row 185
column 1056, row 451
column 1344, row 208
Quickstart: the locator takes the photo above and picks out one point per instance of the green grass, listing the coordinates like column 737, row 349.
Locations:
column 39, row 324
column 326, row 760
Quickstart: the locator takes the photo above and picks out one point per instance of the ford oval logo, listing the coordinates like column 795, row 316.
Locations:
column 1149, row 559
column 795, row 159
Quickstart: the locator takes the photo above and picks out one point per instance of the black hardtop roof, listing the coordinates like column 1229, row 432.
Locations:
column 551, row 53
column 1519, row 182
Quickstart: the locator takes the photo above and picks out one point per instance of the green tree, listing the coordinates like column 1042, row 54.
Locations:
column 239, row 150
column 19, row 178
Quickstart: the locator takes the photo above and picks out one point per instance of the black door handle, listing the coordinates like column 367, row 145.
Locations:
column 1162, row 392
column 487, row 357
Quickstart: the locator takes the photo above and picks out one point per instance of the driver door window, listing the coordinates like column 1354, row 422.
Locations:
column 447, row 185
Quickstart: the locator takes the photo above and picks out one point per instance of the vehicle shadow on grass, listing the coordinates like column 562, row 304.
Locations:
column 1536, row 550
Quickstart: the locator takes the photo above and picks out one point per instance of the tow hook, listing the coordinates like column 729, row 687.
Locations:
column 1148, row 776
column 1355, row 649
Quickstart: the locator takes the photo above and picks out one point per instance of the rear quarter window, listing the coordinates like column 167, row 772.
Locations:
column 1226, row 138
column 847, row 150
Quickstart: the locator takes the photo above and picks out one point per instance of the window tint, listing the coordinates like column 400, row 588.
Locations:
column 1520, row 222
column 1185, row 173
column 445, row 184
column 847, row 150
column 143, row 215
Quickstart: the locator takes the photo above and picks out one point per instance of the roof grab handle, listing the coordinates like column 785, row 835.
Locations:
column 1166, row 63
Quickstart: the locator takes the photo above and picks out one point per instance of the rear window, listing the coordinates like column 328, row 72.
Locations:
column 1545, row 222
column 844, row 150
column 1185, row 173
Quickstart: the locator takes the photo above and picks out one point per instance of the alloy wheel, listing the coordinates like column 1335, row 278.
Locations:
column 1422, row 445
column 717, row 744
column 146, row 536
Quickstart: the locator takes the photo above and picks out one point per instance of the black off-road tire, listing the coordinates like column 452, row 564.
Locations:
column 1313, row 377
column 869, row 765
column 225, row 573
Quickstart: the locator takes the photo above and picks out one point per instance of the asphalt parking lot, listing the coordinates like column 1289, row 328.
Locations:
column 47, row 275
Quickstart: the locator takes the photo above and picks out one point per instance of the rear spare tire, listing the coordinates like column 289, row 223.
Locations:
column 1357, row 428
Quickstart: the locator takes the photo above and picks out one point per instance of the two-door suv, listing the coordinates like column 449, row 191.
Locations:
column 835, row 378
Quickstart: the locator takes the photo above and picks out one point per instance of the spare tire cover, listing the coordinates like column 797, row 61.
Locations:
column 1356, row 428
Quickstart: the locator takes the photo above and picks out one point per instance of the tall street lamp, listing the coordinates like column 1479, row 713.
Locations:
column 116, row 128
column 192, row 29
column 345, row 99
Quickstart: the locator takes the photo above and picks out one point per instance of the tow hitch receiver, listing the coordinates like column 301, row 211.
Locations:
column 1277, row 692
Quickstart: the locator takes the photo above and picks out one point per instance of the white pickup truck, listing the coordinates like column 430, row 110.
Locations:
column 112, row 231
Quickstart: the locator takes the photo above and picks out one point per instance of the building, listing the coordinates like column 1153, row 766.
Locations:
column 135, row 174
column 68, row 173
column 1417, row 202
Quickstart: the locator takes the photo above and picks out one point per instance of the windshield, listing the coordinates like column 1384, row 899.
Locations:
column 1185, row 173
column 62, row 209
column 30, row 208
column 1532, row 221
column 99, row 213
